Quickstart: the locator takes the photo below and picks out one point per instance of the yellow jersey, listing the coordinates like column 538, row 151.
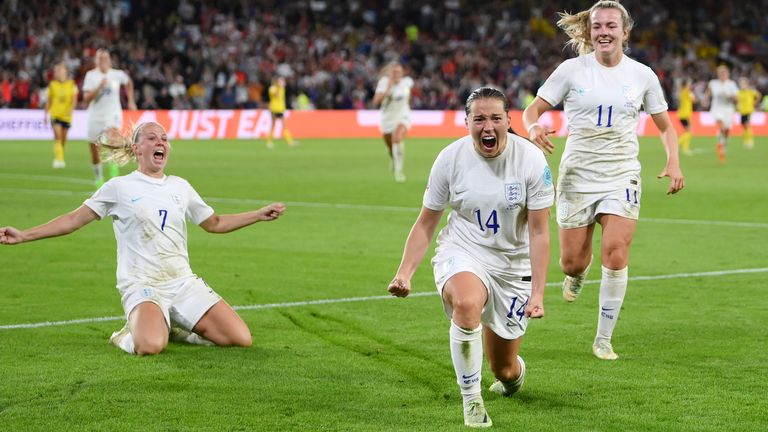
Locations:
column 685, row 109
column 746, row 101
column 62, row 96
column 276, row 99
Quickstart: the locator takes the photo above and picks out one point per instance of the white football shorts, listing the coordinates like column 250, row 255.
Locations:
column 580, row 209
column 182, row 301
column 724, row 115
column 503, row 312
column 389, row 122
column 97, row 125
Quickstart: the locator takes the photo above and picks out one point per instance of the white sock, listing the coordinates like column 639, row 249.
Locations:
column 398, row 156
column 126, row 344
column 722, row 138
column 196, row 339
column 467, row 356
column 613, row 288
column 180, row 335
column 98, row 171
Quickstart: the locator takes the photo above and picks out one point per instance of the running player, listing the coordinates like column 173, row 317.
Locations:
column 684, row 111
column 277, row 107
column 599, row 177
column 747, row 100
column 722, row 94
column 101, row 92
column 393, row 95
column 62, row 98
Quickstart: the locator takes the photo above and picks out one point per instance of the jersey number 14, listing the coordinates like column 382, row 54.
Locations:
column 491, row 223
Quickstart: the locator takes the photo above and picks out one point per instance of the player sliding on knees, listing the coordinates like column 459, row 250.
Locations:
column 492, row 256
column 161, row 296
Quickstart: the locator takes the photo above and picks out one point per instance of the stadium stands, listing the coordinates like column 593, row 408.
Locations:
column 222, row 54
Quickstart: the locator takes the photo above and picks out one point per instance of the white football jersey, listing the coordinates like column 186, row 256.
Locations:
column 602, row 106
column 723, row 94
column 397, row 104
column 490, row 199
column 106, row 106
column 149, row 216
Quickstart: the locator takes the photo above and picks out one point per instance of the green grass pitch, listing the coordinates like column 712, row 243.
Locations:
column 691, row 335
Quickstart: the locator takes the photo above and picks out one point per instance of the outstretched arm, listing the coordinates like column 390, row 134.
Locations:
column 415, row 248
column 131, row 97
column 230, row 222
column 538, row 234
column 62, row 225
column 669, row 139
column 378, row 98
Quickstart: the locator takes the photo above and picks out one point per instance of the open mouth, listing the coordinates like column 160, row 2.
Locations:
column 489, row 142
column 604, row 42
column 159, row 155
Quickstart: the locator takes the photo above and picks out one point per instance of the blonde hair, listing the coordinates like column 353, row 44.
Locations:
column 577, row 26
column 118, row 148
column 388, row 68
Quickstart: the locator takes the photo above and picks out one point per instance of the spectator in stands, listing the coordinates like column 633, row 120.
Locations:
column 210, row 35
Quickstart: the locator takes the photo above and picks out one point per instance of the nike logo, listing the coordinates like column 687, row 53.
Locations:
column 133, row 200
column 606, row 309
column 469, row 376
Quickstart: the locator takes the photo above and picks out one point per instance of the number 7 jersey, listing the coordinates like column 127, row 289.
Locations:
column 490, row 198
column 149, row 217
column 602, row 106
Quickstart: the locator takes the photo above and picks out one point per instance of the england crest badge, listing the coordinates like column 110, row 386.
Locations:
column 513, row 192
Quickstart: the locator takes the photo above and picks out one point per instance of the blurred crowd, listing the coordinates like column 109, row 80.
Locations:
column 224, row 53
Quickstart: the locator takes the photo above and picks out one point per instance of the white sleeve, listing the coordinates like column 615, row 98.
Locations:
column 381, row 87
column 89, row 83
column 437, row 195
column 653, row 100
column 540, row 189
column 197, row 210
column 123, row 77
column 734, row 89
column 557, row 86
column 104, row 200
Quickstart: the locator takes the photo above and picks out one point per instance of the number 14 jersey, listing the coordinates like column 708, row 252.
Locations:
column 490, row 198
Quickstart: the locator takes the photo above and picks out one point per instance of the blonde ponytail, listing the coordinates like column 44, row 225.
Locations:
column 578, row 26
column 116, row 147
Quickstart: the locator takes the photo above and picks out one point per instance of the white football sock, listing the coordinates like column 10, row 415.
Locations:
column 98, row 171
column 722, row 137
column 613, row 288
column 126, row 344
column 398, row 156
column 178, row 334
column 467, row 356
